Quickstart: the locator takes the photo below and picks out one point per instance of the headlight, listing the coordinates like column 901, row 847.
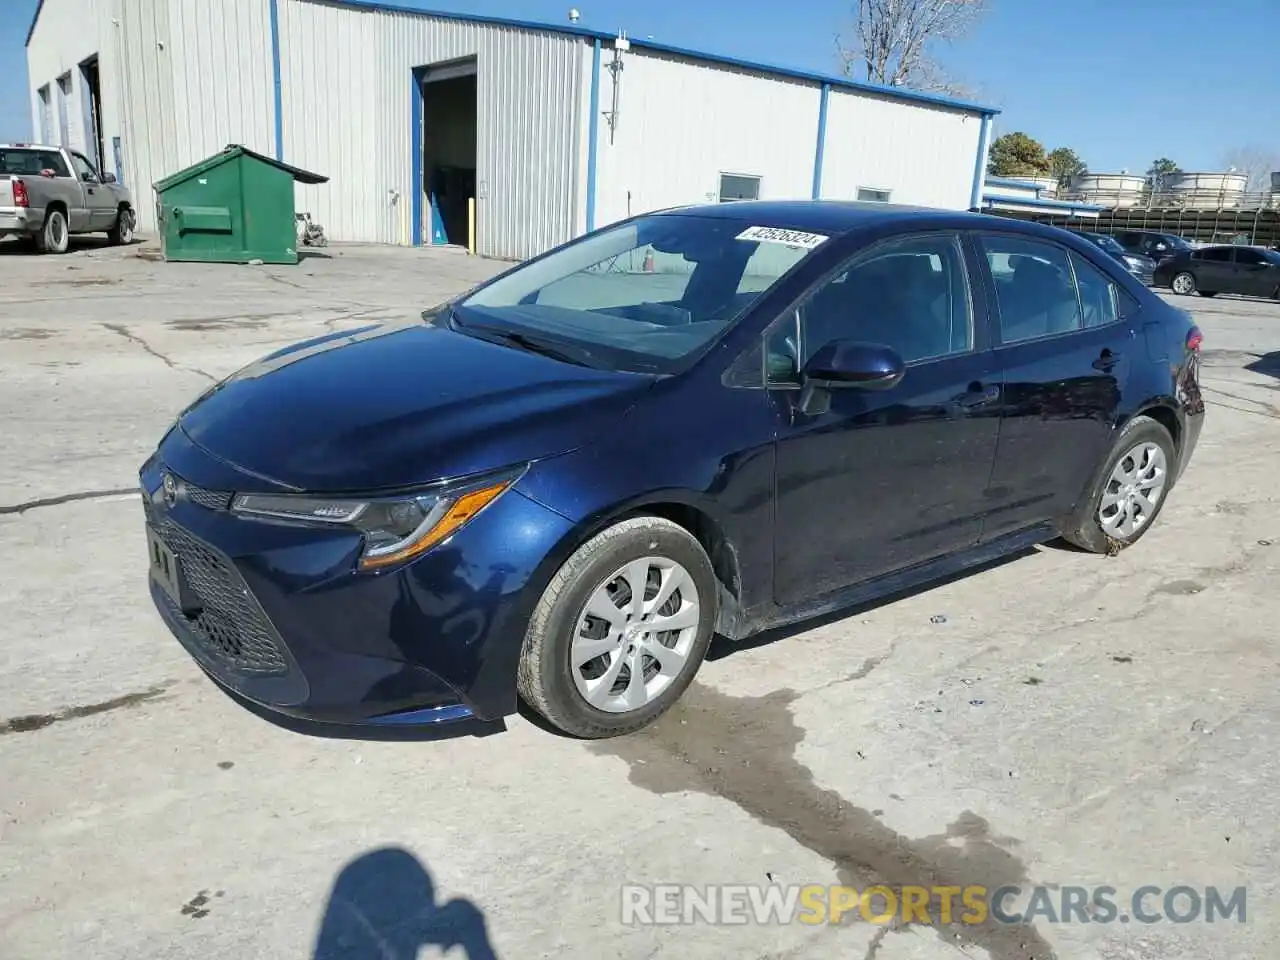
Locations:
column 396, row 528
column 1133, row 262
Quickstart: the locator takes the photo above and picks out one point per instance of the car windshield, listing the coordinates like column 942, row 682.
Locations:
column 645, row 296
column 1110, row 244
column 1272, row 256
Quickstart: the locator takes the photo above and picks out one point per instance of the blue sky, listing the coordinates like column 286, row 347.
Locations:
column 1120, row 81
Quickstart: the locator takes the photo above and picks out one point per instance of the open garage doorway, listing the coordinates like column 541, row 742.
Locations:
column 91, row 111
column 449, row 151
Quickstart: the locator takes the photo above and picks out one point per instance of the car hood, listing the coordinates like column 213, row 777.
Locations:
column 397, row 406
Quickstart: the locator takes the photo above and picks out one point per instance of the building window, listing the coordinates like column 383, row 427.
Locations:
column 46, row 114
column 64, row 110
column 873, row 195
column 735, row 186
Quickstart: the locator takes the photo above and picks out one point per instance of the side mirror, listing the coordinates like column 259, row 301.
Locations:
column 842, row 364
column 108, row 178
column 852, row 363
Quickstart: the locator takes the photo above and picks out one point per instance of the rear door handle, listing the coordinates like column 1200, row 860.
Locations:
column 1107, row 360
column 978, row 396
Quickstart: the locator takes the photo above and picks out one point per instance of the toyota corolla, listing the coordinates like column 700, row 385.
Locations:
column 712, row 420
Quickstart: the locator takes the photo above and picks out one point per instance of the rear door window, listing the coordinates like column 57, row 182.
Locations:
column 1099, row 302
column 1035, row 288
column 21, row 162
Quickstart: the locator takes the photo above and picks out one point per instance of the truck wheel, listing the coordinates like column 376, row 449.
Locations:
column 54, row 236
column 121, row 231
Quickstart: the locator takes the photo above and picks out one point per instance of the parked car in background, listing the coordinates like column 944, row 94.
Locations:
column 1157, row 246
column 1247, row 271
column 1141, row 266
column 49, row 194
column 564, row 482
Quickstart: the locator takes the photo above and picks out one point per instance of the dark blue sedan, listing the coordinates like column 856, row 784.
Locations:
column 709, row 420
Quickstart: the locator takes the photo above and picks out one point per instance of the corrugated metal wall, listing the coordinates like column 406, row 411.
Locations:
column 346, row 77
column 681, row 124
column 68, row 33
column 180, row 80
column 923, row 154
column 197, row 76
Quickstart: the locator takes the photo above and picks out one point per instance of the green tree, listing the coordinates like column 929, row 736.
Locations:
column 1065, row 163
column 1160, row 170
column 1017, row 155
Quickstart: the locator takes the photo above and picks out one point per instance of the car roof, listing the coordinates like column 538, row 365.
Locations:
column 837, row 217
column 27, row 146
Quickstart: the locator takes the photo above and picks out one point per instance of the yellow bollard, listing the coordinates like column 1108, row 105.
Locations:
column 471, row 226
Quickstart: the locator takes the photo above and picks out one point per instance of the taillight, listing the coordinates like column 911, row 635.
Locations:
column 20, row 198
column 1194, row 339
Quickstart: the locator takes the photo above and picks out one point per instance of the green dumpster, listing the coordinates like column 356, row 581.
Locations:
column 234, row 207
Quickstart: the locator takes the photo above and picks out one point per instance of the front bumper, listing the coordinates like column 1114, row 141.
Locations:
column 278, row 615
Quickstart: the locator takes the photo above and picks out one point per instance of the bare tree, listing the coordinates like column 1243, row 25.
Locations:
column 1256, row 163
column 893, row 41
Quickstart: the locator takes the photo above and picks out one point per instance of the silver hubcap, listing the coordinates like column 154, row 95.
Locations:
column 1182, row 283
column 57, row 231
column 635, row 634
column 1134, row 491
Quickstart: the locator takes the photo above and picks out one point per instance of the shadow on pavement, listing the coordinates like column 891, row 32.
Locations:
column 383, row 907
column 1268, row 363
column 722, row 647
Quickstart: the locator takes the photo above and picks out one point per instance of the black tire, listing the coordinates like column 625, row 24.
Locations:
column 1083, row 527
column 1191, row 283
column 545, row 677
column 54, row 236
column 121, row 231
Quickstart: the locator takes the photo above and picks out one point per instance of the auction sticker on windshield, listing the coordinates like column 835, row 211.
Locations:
column 788, row 238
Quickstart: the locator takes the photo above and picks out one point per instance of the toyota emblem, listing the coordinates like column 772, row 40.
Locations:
column 170, row 489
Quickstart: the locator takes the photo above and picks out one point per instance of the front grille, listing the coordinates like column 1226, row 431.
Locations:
column 209, row 499
column 231, row 626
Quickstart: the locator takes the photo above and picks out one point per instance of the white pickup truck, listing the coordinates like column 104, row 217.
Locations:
column 48, row 194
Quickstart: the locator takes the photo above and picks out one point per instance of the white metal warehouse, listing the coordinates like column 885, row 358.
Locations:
column 552, row 129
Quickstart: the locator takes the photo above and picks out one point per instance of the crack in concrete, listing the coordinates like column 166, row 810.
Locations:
column 38, row 721
column 20, row 508
column 121, row 331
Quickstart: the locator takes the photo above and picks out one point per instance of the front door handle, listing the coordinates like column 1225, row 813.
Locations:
column 978, row 396
column 1107, row 360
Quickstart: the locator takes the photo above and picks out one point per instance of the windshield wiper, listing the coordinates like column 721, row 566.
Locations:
column 535, row 345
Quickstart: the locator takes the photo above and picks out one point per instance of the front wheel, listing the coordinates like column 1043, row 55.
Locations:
column 1129, row 490
column 1183, row 284
column 121, row 231
column 621, row 630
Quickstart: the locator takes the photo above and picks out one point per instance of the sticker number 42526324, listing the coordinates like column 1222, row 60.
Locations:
column 788, row 238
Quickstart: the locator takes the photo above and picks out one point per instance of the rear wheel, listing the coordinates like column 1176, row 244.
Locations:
column 1129, row 490
column 54, row 236
column 1183, row 284
column 621, row 630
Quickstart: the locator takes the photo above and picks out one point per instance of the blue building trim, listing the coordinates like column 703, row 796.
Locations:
column 415, row 164
column 820, row 149
column 836, row 82
column 593, row 135
column 278, row 93
column 980, row 162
